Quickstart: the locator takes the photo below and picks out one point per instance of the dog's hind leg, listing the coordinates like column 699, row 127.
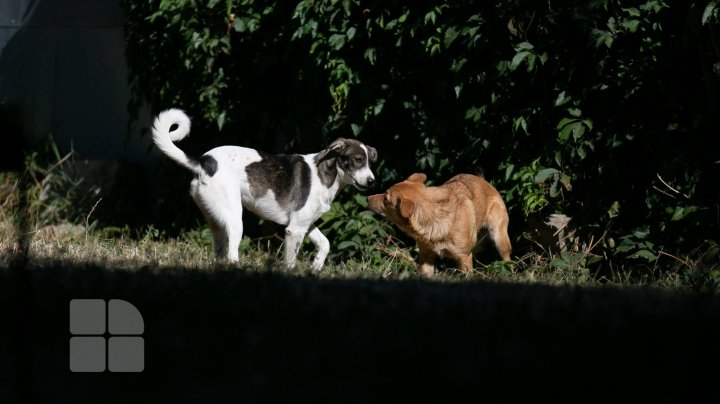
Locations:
column 323, row 247
column 233, row 224
column 234, row 236
column 498, row 228
column 502, row 243
column 219, row 238
column 216, row 227
column 223, row 212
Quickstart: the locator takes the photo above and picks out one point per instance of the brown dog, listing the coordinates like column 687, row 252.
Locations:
column 445, row 220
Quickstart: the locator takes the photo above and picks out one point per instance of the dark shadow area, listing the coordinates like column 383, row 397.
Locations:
column 14, row 144
column 271, row 337
column 63, row 83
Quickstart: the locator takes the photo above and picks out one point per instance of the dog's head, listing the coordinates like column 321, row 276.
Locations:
column 400, row 201
column 350, row 161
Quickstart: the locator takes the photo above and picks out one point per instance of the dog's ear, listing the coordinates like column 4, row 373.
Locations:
column 331, row 151
column 417, row 177
column 372, row 154
column 337, row 145
column 407, row 207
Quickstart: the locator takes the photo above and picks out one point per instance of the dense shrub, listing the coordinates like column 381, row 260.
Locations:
column 603, row 110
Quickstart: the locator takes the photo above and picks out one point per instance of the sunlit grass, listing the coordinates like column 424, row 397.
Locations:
column 72, row 245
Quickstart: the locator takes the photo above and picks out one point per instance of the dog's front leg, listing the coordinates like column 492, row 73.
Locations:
column 323, row 247
column 293, row 238
column 427, row 261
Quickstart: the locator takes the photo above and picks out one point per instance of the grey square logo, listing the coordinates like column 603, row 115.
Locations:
column 90, row 351
column 87, row 316
column 126, row 354
column 87, row 354
column 124, row 318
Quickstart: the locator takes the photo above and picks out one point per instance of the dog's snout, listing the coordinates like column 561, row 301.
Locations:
column 370, row 182
column 375, row 203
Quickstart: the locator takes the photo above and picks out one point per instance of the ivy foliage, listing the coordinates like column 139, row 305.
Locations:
column 604, row 110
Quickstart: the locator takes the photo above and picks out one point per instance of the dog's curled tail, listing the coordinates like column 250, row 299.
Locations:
column 171, row 126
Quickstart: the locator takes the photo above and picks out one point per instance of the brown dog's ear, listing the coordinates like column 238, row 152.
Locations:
column 417, row 177
column 407, row 207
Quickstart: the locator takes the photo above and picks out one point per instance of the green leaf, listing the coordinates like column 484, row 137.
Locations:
column 578, row 130
column 562, row 99
column 654, row 6
column 710, row 12
column 351, row 33
column 531, row 62
column 337, row 41
column 239, row 25
column 518, row 59
column 631, row 25
column 641, row 233
column 576, row 112
column 458, row 90
column 603, row 38
column 682, row 211
column 430, row 16
column 524, row 46
column 566, row 130
column 347, row 244
column 458, row 64
column 553, row 189
column 509, row 170
column 581, row 153
column 544, row 174
column 520, row 123
column 646, row 254
column 403, row 17
column 565, row 181
column 564, row 122
column 379, row 104
column 370, row 55
column 360, row 200
column 634, row 12
column 221, row 120
column 625, row 247
column 450, row 35
column 474, row 112
column 544, row 58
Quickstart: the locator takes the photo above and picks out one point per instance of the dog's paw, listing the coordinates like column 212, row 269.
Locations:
column 316, row 265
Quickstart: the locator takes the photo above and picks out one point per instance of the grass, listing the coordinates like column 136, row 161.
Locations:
column 74, row 244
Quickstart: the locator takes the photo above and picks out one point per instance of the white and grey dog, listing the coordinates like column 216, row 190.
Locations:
column 292, row 190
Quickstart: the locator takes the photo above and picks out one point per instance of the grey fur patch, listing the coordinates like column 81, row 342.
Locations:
column 288, row 176
column 208, row 164
column 326, row 168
